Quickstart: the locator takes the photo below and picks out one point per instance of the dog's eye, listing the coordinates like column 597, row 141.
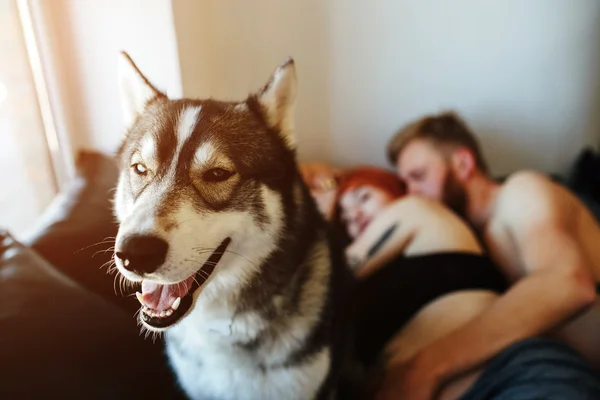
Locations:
column 139, row 169
column 217, row 175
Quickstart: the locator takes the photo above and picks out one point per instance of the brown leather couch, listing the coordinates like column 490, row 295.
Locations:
column 64, row 333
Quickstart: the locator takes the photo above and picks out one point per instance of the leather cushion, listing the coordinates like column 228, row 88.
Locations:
column 59, row 340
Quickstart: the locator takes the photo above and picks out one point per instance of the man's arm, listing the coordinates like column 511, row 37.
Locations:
column 557, row 285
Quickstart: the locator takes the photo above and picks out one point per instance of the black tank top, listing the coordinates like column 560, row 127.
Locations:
column 386, row 300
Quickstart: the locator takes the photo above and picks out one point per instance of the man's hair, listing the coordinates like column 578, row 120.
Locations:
column 444, row 130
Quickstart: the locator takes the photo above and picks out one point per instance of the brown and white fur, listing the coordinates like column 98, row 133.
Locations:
column 214, row 183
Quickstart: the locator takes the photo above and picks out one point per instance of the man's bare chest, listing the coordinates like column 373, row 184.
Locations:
column 503, row 251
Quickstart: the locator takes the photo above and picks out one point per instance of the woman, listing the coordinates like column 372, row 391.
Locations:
column 423, row 272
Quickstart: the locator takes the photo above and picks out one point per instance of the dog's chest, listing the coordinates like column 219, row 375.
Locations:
column 220, row 363
column 210, row 365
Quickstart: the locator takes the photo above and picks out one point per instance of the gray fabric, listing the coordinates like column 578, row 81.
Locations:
column 537, row 369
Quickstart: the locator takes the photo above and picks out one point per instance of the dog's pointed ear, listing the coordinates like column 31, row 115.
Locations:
column 278, row 100
column 135, row 90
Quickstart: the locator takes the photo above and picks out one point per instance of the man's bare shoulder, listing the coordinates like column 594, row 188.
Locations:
column 530, row 196
column 527, row 182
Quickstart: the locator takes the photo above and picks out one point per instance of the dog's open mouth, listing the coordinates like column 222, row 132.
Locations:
column 164, row 305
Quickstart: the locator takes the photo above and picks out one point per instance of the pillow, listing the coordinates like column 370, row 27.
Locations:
column 584, row 179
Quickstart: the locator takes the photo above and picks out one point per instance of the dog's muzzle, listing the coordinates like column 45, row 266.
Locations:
column 163, row 305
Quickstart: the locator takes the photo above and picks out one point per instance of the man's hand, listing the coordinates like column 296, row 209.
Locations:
column 409, row 381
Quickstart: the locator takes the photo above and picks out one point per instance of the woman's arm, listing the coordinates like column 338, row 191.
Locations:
column 385, row 238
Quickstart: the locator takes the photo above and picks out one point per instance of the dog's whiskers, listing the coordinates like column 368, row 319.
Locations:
column 202, row 273
column 147, row 332
column 207, row 263
column 106, row 240
column 112, row 248
column 121, row 284
column 115, row 285
column 110, row 263
column 204, row 250
column 126, row 285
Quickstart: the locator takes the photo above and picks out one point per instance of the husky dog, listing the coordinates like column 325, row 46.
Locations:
column 235, row 263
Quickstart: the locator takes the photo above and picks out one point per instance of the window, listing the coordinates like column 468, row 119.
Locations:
column 27, row 180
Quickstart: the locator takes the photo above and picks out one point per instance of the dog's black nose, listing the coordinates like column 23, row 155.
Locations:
column 143, row 253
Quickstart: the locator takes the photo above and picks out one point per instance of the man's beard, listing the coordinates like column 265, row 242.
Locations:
column 454, row 195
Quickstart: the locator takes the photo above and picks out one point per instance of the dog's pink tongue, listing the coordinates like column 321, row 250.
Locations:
column 161, row 297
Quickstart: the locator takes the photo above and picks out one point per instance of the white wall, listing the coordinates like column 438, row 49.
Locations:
column 525, row 74
column 80, row 41
column 228, row 48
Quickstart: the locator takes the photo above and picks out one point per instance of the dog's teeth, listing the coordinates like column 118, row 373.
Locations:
column 140, row 298
column 169, row 312
column 126, row 262
column 162, row 314
column 175, row 305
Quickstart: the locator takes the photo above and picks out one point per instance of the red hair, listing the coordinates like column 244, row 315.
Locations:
column 378, row 178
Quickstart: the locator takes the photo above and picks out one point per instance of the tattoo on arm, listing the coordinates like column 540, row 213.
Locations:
column 384, row 238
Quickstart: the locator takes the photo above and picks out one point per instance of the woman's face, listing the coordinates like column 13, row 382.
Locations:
column 359, row 205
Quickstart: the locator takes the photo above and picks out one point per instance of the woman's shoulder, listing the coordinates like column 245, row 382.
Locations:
column 420, row 203
column 422, row 212
column 412, row 211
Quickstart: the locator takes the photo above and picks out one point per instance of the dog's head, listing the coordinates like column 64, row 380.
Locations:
column 199, row 198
